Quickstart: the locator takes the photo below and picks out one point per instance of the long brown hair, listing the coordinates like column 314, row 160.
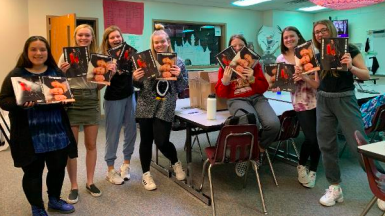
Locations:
column 24, row 62
column 301, row 40
column 159, row 30
column 332, row 33
column 105, row 45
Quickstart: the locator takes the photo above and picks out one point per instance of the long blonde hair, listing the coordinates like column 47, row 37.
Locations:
column 93, row 47
column 332, row 33
column 159, row 30
column 105, row 45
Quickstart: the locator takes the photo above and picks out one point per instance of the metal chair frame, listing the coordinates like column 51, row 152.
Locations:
column 229, row 157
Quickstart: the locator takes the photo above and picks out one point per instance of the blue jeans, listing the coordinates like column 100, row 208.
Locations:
column 120, row 113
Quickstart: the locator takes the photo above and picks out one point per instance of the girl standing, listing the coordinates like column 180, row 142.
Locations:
column 119, row 107
column 304, row 103
column 337, row 105
column 85, row 111
column 155, row 116
column 40, row 134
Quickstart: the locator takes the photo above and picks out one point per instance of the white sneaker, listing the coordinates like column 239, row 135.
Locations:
column 114, row 177
column 125, row 172
column 381, row 204
column 332, row 195
column 312, row 177
column 148, row 181
column 303, row 176
column 179, row 172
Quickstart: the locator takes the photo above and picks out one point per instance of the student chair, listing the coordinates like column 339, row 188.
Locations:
column 376, row 179
column 235, row 143
column 289, row 130
column 378, row 125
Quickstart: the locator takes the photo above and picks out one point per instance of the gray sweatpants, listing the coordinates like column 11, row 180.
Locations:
column 265, row 115
column 333, row 109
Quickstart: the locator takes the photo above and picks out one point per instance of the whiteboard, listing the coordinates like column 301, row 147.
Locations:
column 377, row 44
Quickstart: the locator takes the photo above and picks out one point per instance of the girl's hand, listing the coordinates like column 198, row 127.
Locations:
column 248, row 72
column 298, row 69
column 111, row 66
column 29, row 104
column 227, row 75
column 65, row 66
column 347, row 59
column 175, row 70
column 138, row 74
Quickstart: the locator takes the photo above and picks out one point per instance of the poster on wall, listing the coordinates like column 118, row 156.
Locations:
column 128, row 16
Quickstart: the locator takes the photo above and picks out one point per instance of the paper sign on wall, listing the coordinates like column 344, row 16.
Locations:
column 128, row 16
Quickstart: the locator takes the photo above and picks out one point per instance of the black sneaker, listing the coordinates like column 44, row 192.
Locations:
column 93, row 190
column 73, row 197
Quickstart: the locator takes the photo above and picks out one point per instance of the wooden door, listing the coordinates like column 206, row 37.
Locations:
column 61, row 31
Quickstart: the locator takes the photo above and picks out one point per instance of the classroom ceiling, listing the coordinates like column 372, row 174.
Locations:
column 286, row 5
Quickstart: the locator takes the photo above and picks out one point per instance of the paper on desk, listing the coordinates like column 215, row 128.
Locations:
column 192, row 111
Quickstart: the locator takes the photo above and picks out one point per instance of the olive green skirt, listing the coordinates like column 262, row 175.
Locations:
column 86, row 108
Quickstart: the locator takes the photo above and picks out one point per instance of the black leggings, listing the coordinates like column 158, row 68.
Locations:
column 308, row 121
column 158, row 130
column 33, row 176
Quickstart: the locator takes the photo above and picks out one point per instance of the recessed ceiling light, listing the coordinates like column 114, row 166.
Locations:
column 312, row 8
column 244, row 3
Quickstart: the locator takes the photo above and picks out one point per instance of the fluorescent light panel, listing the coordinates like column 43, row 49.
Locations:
column 244, row 3
column 312, row 8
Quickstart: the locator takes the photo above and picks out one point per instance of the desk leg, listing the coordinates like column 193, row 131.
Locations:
column 189, row 155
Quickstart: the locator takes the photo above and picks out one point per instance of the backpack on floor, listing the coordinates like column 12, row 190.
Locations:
column 247, row 118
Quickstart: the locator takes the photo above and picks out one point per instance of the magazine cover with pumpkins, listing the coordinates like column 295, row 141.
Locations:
column 245, row 58
column 145, row 60
column 77, row 57
column 28, row 89
column 270, row 72
column 305, row 57
column 165, row 63
column 225, row 57
column 284, row 77
column 97, row 69
column 332, row 50
column 56, row 89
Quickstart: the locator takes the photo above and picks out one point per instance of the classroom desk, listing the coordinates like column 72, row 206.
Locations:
column 373, row 150
column 196, row 118
column 361, row 96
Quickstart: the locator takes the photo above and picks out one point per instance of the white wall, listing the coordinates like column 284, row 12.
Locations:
column 14, row 33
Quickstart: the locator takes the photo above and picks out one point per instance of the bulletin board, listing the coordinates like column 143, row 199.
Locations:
column 196, row 43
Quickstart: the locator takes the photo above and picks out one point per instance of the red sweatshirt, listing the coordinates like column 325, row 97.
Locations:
column 233, row 90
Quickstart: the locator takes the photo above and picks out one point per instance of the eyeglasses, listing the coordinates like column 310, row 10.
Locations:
column 322, row 31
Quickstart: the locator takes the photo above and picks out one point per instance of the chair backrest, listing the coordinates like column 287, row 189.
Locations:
column 376, row 179
column 237, row 143
column 289, row 125
column 378, row 121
